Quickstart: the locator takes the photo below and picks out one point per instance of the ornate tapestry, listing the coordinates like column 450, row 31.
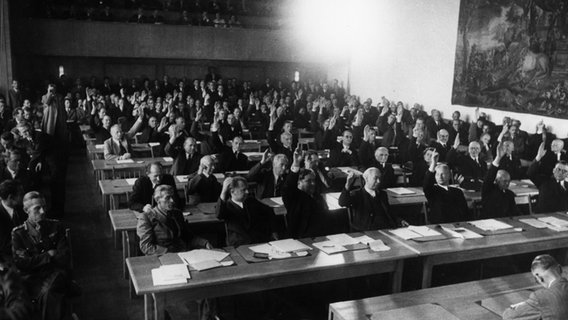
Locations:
column 513, row 55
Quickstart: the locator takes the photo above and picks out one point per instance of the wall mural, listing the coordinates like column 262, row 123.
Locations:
column 512, row 55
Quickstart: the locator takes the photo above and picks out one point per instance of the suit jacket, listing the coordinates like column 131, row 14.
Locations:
column 306, row 215
column 230, row 162
column 15, row 99
column 496, row 203
column 8, row 223
column 549, row 160
column 445, row 205
column 207, row 189
column 551, row 196
column 338, row 158
column 442, row 150
column 250, row 224
column 472, row 171
column 434, row 127
column 162, row 232
column 182, row 165
column 266, row 187
column 545, row 304
column 368, row 212
column 366, row 154
column 112, row 151
column 512, row 166
column 36, row 149
column 142, row 192
column 23, row 176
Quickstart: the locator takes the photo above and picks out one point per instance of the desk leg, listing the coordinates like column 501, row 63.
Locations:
column 125, row 252
column 427, row 273
column 159, row 306
column 397, row 277
column 148, row 307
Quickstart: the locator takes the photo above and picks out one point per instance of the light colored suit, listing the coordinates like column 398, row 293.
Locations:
column 545, row 304
column 113, row 151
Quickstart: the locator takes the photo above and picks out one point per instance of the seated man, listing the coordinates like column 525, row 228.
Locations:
column 420, row 167
column 344, row 154
column 469, row 166
column 11, row 215
column 387, row 178
column 447, row 204
column 15, row 170
column 496, row 198
column 14, row 302
column 552, row 190
column 162, row 229
column 204, row 186
column 284, row 146
column 117, row 147
column 511, row 161
column 312, row 162
column 35, row 143
column 247, row 219
column 548, row 303
column 369, row 205
column 41, row 252
column 269, row 181
column 143, row 188
column 186, row 157
column 442, row 145
column 549, row 159
column 306, row 210
column 232, row 159
column 367, row 148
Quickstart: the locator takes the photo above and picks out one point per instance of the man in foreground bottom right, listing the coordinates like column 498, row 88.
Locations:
column 550, row 303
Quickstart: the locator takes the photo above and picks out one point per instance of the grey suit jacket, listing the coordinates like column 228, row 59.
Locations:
column 112, row 150
column 545, row 304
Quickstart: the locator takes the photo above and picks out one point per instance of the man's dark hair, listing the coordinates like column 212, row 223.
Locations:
column 10, row 188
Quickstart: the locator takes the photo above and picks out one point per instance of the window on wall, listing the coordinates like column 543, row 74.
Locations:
column 61, row 71
column 297, row 76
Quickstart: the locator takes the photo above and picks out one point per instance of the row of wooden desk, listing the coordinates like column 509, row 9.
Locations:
column 250, row 277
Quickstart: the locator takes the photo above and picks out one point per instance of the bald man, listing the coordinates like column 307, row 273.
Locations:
column 496, row 199
column 369, row 205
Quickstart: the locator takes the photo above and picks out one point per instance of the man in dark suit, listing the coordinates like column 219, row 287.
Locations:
column 496, row 199
column 11, row 215
column 232, row 159
column 369, row 205
column 469, row 166
column 36, row 145
column 344, row 154
column 269, row 181
column 447, row 204
column 548, row 303
column 143, row 189
column 15, row 170
column 186, row 157
column 204, row 187
column 552, row 190
column 549, row 159
column 15, row 98
column 307, row 211
column 441, row 145
column 435, row 123
column 387, row 178
column 247, row 219
column 367, row 148
column 511, row 162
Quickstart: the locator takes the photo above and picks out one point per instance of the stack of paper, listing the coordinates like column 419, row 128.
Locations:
column 555, row 223
column 413, row 232
column 271, row 251
column 289, row 245
column 401, row 191
column 378, row 245
column 490, row 225
column 329, row 247
column 125, row 161
column 170, row 274
column 203, row 259
column 534, row 223
column 461, row 233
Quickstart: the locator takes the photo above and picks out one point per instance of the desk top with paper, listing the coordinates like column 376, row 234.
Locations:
column 231, row 280
column 100, row 164
column 482, row 299
column 500, row 234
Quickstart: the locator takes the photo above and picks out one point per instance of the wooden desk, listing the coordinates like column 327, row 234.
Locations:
column 460, row 299
column 124, row 221
column 96, row 151
column 253, row 277
column 103, row 167
column 454, row 250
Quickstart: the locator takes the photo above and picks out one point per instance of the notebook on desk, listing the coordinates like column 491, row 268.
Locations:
column 419, row 312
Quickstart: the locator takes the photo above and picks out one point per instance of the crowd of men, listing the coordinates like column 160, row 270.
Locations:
column 202, row 125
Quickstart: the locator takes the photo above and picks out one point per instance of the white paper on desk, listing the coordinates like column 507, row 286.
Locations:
column 154, row 144
column 424, row 231
column 206, row 265
column 125, row 161
column 329, row 247
column 461, row 233
column 401, row 191
column 332, row 203
column 490, row 224
column 182, row 178
column 405, row 233
column 342, row 239
column 272, row 252
column 131, row 181
column 170, row 274
column 555, row 223
column 378, row 245
column 168, row 159
column 289, row 245
column 364, row 239
column 534, row 223
column 347, row 170
column 200, row 255
column 99, row 146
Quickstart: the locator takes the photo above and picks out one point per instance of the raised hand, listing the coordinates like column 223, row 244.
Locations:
column 435, row 157
column 266, row 156
column 225, row 192
column 457, row 141
column 541, row 152
column 297, row 157
column 500, row 152
column 350, row 179
column 367, row 133
column 458, row 178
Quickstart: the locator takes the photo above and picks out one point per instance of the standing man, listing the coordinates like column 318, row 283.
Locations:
column 548, row 303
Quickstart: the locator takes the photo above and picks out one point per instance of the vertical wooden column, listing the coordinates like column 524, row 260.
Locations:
column 5, row 49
